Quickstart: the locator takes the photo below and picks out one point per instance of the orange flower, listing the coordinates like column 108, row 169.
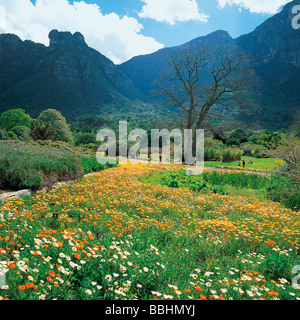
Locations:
column 29, row 285
column 49, row 279
column 272, row 293
column 221, row 298
column 21, row 287
column 202, row 297
column 52, row 273
column 76, row 255
column 11, row 265
column 270, row 243
column 187, row 290
column 198, row 289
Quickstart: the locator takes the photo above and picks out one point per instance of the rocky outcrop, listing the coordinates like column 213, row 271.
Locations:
column 15, row 194
column 68, row 75
column 275, row 39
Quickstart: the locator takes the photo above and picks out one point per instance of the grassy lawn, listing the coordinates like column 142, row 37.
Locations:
column 263, row 164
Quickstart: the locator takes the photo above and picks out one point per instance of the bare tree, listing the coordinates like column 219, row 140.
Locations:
column 206, row 83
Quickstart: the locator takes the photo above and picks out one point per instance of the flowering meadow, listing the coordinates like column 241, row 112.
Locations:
column 119, row 236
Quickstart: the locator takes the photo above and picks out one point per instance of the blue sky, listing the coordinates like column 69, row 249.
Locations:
column 121, row 29
column 229, row 18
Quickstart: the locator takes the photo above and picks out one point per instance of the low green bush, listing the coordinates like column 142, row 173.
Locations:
column 86, row 138
column 90, row 165
column 211, row 154
column 30, row 167
column 231, row 154
column 22, row 132
column 286, row 193
column 179, row 179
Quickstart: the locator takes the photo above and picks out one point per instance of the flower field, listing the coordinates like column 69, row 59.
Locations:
column 118, row 236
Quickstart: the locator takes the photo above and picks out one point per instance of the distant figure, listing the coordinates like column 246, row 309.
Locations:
column 239, row 163
column 250, row 162
column 244, row 163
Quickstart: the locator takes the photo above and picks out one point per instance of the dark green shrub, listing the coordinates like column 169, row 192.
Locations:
column 286, row 193
column 86, row 138
column 58, row 123
column 23, row 132
column 211, row 154
column 237, row 137
column 40, row 131
column 231, row 154
column 3, row 134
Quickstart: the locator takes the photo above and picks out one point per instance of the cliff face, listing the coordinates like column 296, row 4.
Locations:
column 275, row 39
column 67, row 75
column 275, row 48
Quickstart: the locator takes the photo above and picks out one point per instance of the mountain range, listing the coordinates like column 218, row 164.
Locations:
column 76, row 79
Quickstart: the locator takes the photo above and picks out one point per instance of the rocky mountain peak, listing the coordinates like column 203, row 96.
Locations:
column 66, row 40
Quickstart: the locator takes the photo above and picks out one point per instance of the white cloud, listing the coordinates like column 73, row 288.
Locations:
column 118, row 38
column 256, row 6
column 172, row 11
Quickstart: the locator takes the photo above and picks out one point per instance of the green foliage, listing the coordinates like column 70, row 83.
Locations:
column 231, row 154
column 237, row 137
column 40, row 131
column 286, row 193
column 90, row 165
column 211, row 154
column 81, row 151
column 276, row 266
column 179, row 179
column 254, row 150
column 24, row 166
column 215, row 150
column 211, row 143
column 268, row 138
column 289, row 151
column 3, row 134
column 15, row 117
column 23, row 132
column 58, row 123
column 224, row 155
column 86, row 138
column 89, row 123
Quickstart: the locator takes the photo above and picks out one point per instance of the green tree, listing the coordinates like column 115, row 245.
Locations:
column 86, row 138
column 40, row 131
column 22, row 132
column 58, row 123
column 15, row 117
